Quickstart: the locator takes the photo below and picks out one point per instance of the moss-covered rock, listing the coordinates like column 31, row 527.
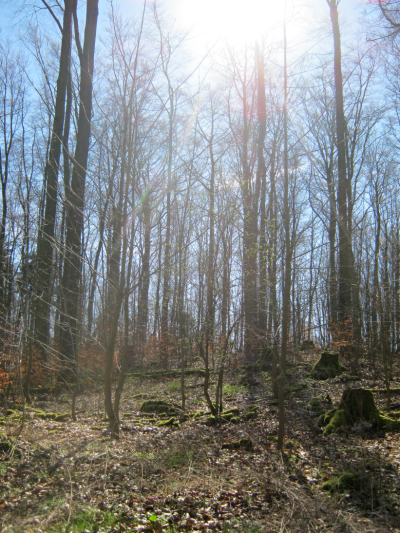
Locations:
column 160, row 407
column 230, row 413
column 251, row 413
column 327, row 366
column 40, row 414
column 244, row 443
column 166, row 423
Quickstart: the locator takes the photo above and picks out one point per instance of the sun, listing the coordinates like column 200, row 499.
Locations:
column 236, row 21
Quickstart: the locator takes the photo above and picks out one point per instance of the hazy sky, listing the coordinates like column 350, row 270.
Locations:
column 215, row 21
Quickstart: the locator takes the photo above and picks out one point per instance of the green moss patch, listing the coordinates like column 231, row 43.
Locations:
column 251, row 413
column 346, row 481
column 166, row 423
column 314, row 403
column 230, row 413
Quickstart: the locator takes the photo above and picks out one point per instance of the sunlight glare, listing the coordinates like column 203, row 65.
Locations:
column 237, row 21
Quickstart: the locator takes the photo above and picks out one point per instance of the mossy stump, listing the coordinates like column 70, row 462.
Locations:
column 307, row 344
column 357, row 404
column 327, row 366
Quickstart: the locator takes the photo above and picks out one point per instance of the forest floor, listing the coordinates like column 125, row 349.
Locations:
column 70, row 477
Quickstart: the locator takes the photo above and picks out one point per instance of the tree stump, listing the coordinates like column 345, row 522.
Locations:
column 357, row 404
column 327, row 366
column 307, row 344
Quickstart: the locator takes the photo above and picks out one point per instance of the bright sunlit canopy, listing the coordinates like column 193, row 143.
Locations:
column 238, row 21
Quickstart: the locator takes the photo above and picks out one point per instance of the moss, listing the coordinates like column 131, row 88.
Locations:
column 337, row 420
column 13, row 414
column 253, row 413
column 198, row 414
column 62, row 418
column 159, row 406
column 234, row 411
column 211, row 420
column 235, row 420
column 244, row 443
column 389, row 424
column 230, row 413
column 297, row 388
column 346, row 481
column 314, row 402
column 139, row 396
column 6, row 447
column 164, row 423
column 356, row 404
column 325, row 418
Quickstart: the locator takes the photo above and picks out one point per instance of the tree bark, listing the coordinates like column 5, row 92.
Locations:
column 344, row 303
column 47, row 232
column 75, row 199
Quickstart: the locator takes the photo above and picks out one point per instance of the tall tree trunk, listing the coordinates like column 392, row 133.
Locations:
column 143, row 305
column 168, row 244
column 47, row 232
column 261, row 177
column 272, row 330
column 345, row 266
column 333, row 305
column 287, row 269
column 250, row 200
column 75, row 198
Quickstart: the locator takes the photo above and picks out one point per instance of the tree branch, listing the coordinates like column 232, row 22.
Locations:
column 53, row 15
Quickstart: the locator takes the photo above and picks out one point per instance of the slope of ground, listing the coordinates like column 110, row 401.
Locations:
column 69, row 477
